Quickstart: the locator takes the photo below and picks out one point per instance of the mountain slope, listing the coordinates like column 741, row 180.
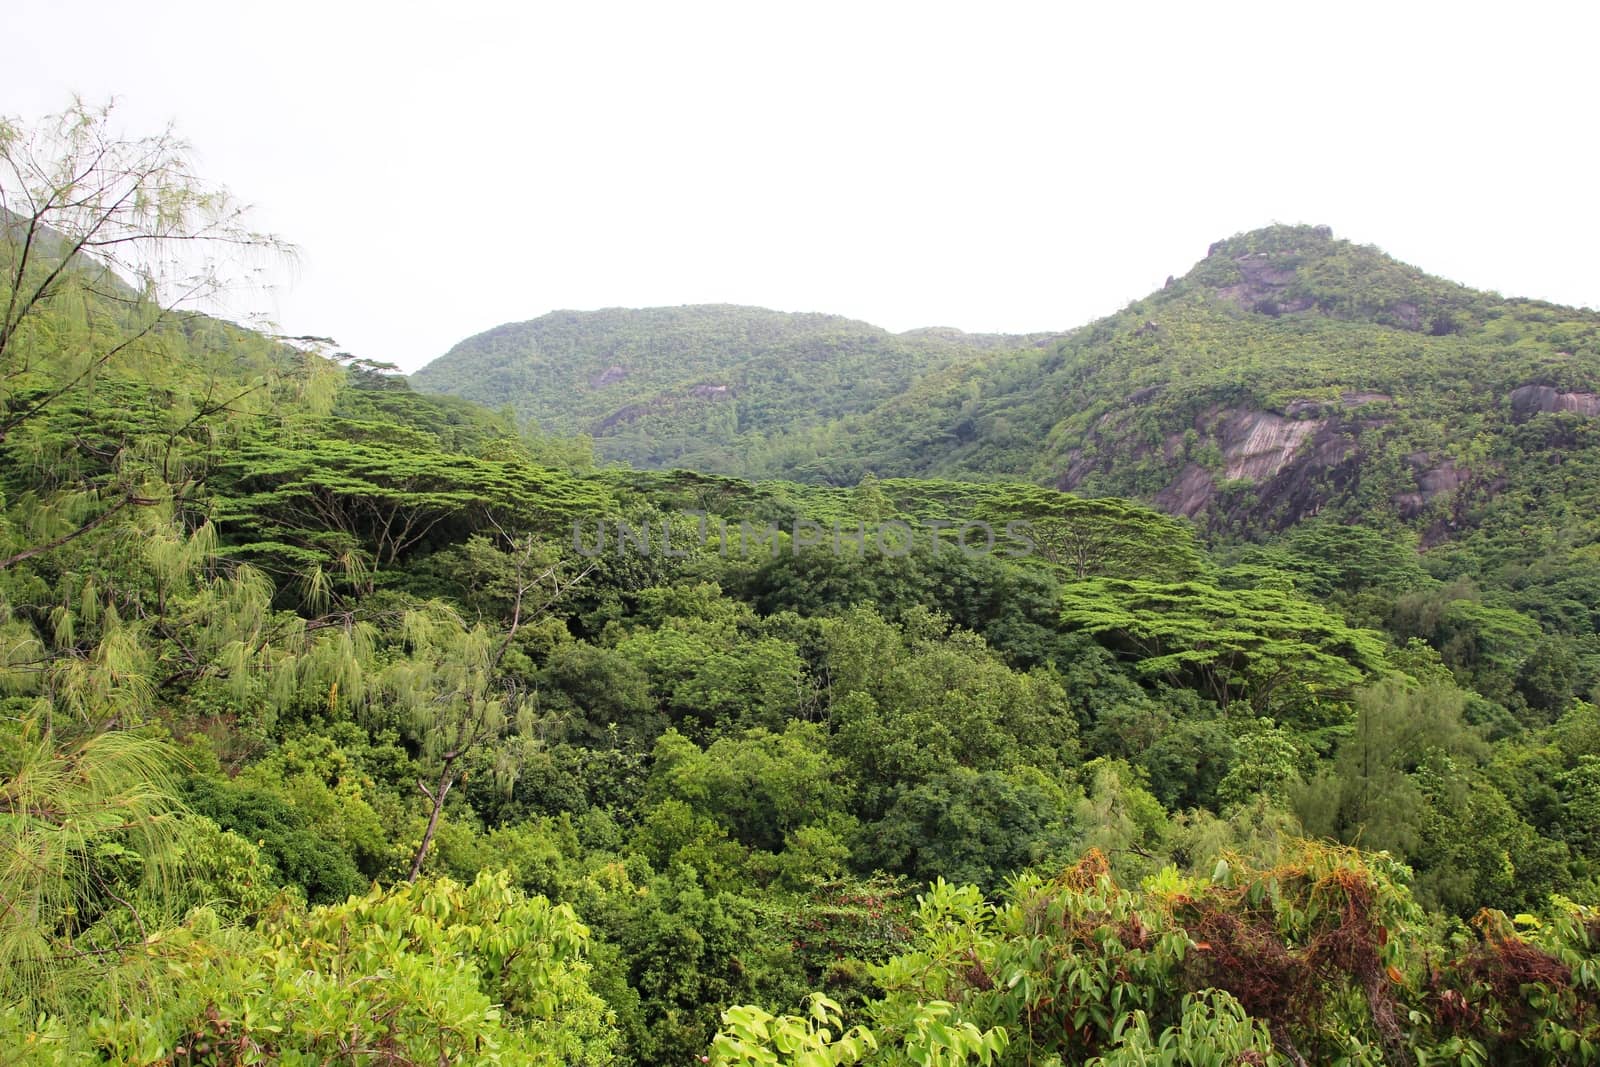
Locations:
column 699, row 385
column 1289, row 374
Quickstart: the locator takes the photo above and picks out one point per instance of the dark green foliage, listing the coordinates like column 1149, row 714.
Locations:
column 688, row 952
column 973, row 826
column 318, row 866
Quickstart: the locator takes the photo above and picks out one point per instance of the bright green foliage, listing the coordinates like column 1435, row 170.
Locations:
column 758, row 1038
column 332, row 497
column 908, row 705
column 1214, row 1031
column 354, row 609
column 928, row 1038
column 382, row 401
column 705, row 674
column 1117, row 813
column 97, row 234
column 72, row 816
column 1099, row 538
column 1267, row 763
column 114, row 400
column 760, row 787
column 445, row 695
column 437, row 972
column 1398, row 729
column 1019, row 966
column 1282, row 654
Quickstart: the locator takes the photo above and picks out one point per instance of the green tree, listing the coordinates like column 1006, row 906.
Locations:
column 446, row 694
column 973, row 826
column 105, row 240
column 1267, row 761
column 760, row 786
column 1266, row 646
column 436, row 972
column 1100, row 538
column 70, row 814
column 330, row 498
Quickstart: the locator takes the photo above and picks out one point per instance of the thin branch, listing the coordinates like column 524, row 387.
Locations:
column 94, row 523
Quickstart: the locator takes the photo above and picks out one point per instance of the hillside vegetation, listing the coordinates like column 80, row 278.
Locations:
column 699, row 386
column 343, row 724
column 1288, row 374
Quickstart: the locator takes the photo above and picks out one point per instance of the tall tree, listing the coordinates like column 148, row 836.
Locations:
column 446, row 693
column 107, row 244
column 118, row 229
column 1267, row 646
column 459, row 709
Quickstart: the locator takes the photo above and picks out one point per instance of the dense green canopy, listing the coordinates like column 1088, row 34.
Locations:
column 323, row 741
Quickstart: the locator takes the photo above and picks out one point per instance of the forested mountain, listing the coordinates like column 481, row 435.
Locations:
column 1288, row 374
column 699, row 386
column 1292, row 379
column 343, row 724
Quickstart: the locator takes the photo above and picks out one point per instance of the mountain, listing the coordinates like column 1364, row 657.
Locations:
column 696, row 386
column 309, row 680
column 1289, row 381
column 1289, row 374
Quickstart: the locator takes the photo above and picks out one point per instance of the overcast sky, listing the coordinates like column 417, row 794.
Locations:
column 447, row 167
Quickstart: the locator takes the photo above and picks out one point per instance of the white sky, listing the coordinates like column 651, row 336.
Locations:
column 1001, row 167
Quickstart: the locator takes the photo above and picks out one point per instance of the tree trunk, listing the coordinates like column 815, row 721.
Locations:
column 446, row 780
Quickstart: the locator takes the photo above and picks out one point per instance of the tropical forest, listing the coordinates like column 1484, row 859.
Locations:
column 1214, row 683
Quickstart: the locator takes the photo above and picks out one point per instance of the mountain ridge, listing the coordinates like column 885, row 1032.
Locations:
column 653, row 384
column 1288, row 374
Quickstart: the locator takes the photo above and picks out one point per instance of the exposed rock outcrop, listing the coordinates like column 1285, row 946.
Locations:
column 621, row 415
column 1434, row 477
column 1258, row 444
column 1289, row 461
column 1264, row 286
column 1529, row 400
column 1189, row 494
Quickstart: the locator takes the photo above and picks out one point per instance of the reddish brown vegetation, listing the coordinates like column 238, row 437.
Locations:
column 1245, row 957
column 1087, row 872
